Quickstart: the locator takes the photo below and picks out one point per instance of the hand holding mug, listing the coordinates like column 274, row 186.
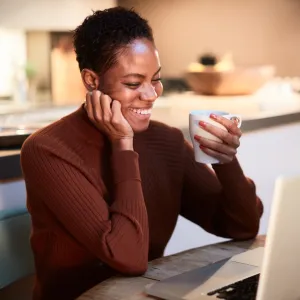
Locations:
column 225, row 150
column 217, row 136
column 106, row 115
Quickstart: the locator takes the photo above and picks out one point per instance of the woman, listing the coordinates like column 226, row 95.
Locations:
column 106, row 185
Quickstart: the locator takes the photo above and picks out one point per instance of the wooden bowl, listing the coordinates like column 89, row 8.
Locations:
column 238, row 81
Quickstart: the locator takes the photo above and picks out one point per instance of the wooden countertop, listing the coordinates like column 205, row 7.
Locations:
column 131, row 288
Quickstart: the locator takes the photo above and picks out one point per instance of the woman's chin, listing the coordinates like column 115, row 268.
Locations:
column 137, row 128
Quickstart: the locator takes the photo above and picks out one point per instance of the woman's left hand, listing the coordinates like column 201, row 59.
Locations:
column 226, row 150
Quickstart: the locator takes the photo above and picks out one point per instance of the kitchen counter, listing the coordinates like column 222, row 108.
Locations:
column 263, row 110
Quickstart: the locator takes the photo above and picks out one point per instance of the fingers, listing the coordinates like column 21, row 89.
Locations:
column 106, row 115
column 230, row 125
column 216, row 146
column 117, row 116
column 227, row 137
column 223, row 153
column 226, row 150
column 221, row 157
column 105, row 103
column 96, row 107
column 89, row 106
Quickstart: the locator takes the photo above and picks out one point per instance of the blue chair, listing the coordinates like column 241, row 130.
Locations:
column 16, row 259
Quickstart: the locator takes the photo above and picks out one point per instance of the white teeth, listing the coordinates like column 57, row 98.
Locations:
column 141, row 111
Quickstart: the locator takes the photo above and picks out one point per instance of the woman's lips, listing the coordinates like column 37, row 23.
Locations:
column 141, row 113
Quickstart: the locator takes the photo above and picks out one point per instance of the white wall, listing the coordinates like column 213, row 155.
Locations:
column 48, row 14
column 12, row 57
column 264, row 155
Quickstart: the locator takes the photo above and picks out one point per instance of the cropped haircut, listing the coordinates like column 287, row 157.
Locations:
column 103, row 34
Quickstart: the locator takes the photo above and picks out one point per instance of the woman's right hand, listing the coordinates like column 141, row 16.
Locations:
column 106, row 115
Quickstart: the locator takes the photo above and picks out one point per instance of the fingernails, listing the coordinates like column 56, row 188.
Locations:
column 202, row 124
column 197, row 137
column 201, row 147
column 213, row 116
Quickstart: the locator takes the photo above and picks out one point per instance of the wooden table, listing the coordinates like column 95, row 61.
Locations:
column 131, row 288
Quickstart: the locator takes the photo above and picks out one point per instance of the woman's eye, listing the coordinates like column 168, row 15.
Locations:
column 132, row 84
column 156, row 80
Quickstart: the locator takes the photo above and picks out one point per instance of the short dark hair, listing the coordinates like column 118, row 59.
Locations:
column 101, row 36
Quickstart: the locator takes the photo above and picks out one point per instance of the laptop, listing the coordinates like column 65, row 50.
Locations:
column 265, row 273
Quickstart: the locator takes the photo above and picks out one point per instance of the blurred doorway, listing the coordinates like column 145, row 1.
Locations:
column 66, row 85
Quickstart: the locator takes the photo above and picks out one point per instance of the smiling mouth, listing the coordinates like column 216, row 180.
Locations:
column 142, row 112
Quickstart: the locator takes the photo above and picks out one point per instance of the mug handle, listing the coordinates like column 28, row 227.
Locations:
column 234, row 118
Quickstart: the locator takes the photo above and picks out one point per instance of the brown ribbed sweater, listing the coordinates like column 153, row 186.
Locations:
column 96, row 213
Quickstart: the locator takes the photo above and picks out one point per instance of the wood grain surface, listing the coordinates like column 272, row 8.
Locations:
column 131, row 288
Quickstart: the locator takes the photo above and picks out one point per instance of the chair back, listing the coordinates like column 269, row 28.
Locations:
column 16, row 258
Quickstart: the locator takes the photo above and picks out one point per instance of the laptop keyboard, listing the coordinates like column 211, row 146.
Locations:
column 241, row 290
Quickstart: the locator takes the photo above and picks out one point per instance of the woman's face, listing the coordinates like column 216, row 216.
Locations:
column 135, row 81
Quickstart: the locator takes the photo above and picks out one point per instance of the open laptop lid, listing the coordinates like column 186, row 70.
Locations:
column 280, row 273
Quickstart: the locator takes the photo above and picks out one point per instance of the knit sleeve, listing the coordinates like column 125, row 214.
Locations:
column 116, row 234
column 221, row 200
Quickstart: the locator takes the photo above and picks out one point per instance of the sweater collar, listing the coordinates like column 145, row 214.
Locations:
column 86, row 128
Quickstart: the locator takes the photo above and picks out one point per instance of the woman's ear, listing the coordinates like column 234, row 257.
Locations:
column 90, row 79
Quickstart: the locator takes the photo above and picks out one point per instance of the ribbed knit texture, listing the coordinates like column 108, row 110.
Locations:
column 96, row 213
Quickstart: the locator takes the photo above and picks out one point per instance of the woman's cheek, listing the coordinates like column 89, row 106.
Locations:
column 159, row 89
column 124, row 96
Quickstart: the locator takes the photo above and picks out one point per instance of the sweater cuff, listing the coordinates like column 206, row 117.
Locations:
column 230, row 174
column 125, row 165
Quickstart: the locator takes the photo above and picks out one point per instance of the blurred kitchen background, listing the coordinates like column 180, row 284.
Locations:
column 38, row 63
column 234, row 55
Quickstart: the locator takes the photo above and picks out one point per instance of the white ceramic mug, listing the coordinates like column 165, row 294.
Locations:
column 204, row 115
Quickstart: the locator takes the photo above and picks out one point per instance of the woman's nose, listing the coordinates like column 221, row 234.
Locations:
column 148, row 94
